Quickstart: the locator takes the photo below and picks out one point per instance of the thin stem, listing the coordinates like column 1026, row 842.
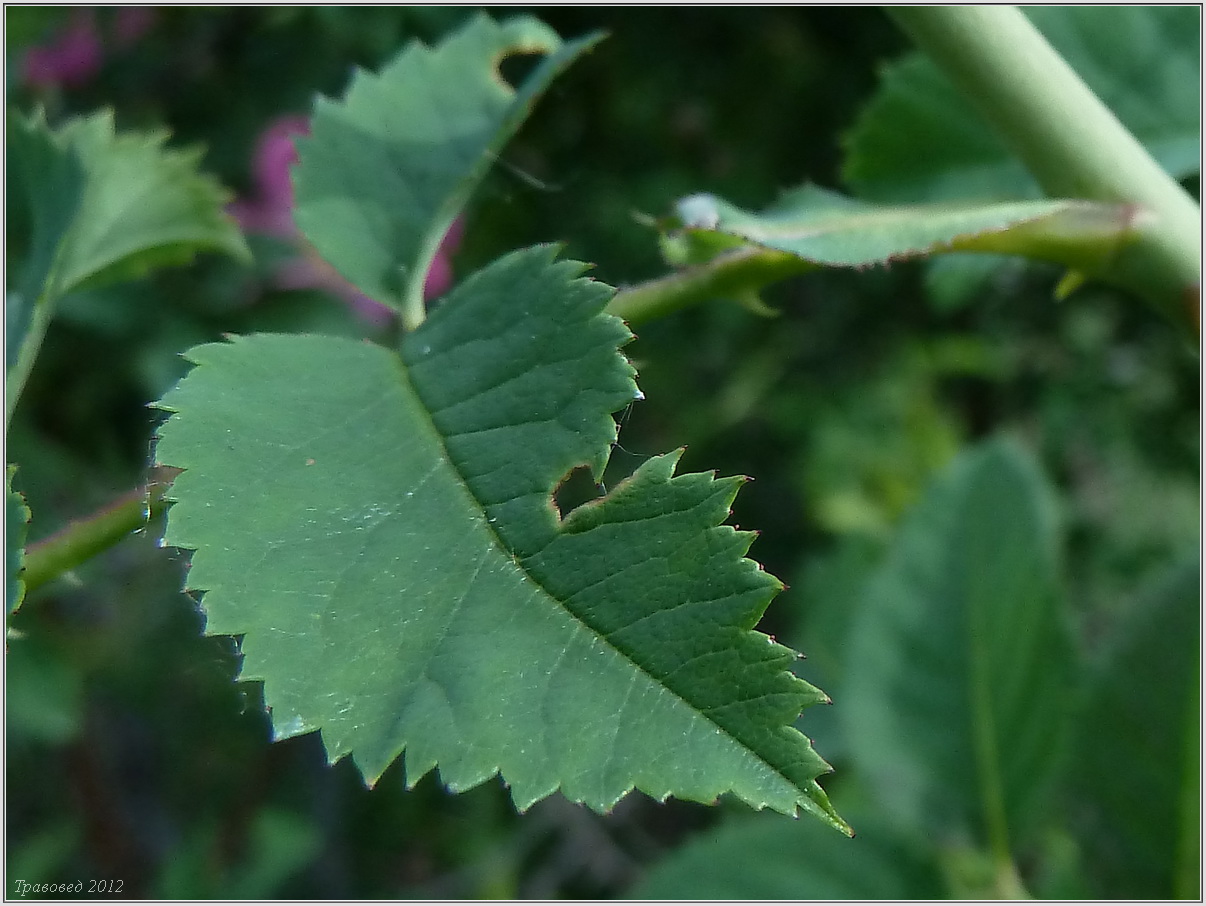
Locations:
column 85, row 538
column 729, row 274
column 1068, row 139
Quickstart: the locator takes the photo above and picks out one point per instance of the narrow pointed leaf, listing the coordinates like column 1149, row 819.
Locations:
column 919, row 139
column 829, row 229
column 955, row 705
column 388, row 168
column 101, row 205
column 16, row 522
column 380, row 528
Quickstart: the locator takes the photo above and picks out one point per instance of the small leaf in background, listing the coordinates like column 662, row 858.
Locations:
column 1136, row 782
column 955, row 693
column 765, row 857
column 919, row 140
column 44, row 700
column 16, row 522
column 826, row 228
column 388, row 168
column 416, row 590
column 280, row 845
column 104, row 206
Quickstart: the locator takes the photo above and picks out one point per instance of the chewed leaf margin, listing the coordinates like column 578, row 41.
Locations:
column 750, row 675
column 389, row 166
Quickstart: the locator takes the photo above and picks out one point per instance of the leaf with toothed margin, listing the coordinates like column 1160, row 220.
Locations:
column 379, row 526
column 96, row 205
column 388, row 168
column 828, row 229
column 811, row 227
column 16, row 522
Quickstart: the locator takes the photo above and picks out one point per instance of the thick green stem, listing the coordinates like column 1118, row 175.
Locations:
column 87, row 537
column 1068, row 139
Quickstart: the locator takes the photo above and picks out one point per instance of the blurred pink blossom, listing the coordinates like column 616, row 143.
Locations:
column 269, row 211
column 72, row 57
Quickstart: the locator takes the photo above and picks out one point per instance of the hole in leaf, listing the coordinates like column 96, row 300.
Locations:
column 515, row 68
column 575, row 489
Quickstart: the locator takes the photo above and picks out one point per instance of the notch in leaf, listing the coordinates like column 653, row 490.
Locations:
column 388, row 168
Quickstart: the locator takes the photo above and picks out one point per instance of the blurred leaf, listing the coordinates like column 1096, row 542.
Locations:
column 955, row 695
column 44, row 854
column 875, row 446
column 920, row 140
column 417, row 590
column 388, row 169
column 44, row 686
column 16, row 522
column 280, row 845
column 767, row 857
column 1138, row 760
column 104, row 206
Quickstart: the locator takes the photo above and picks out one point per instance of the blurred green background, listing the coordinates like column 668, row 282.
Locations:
column 132, row 754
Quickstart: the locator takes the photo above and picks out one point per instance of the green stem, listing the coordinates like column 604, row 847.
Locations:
column 729, row 274
column 1068, row 139
column 85, row 538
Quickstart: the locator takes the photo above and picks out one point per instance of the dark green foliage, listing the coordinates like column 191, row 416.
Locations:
column 145, row 760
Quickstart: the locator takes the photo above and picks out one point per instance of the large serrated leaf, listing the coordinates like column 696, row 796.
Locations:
column 919, row 139
column 102, row 206
column 380, row 527
column 388, row 168
column 955, row 703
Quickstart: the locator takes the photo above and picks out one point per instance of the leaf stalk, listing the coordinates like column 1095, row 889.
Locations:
column 83, row 539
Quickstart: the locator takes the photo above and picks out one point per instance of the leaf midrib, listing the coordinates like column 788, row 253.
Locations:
column 408, row 386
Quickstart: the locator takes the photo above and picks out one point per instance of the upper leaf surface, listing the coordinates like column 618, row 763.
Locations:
column 957, row 705
column 414, row 589
column 919, row 139
column 388, row 168
column 826, row 228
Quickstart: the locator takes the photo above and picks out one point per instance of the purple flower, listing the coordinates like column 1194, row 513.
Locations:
column 269, row 211
column 72, row 57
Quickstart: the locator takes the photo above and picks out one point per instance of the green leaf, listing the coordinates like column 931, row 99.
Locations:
column 387, row 169
column 16, row 522
column 954, row 703
column 279, row 846
column 45, row 691
column 920, row 140
column 829, row 229
column 102, row 206
column 380, row 527
column 766, row 857
column 1138, row 757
